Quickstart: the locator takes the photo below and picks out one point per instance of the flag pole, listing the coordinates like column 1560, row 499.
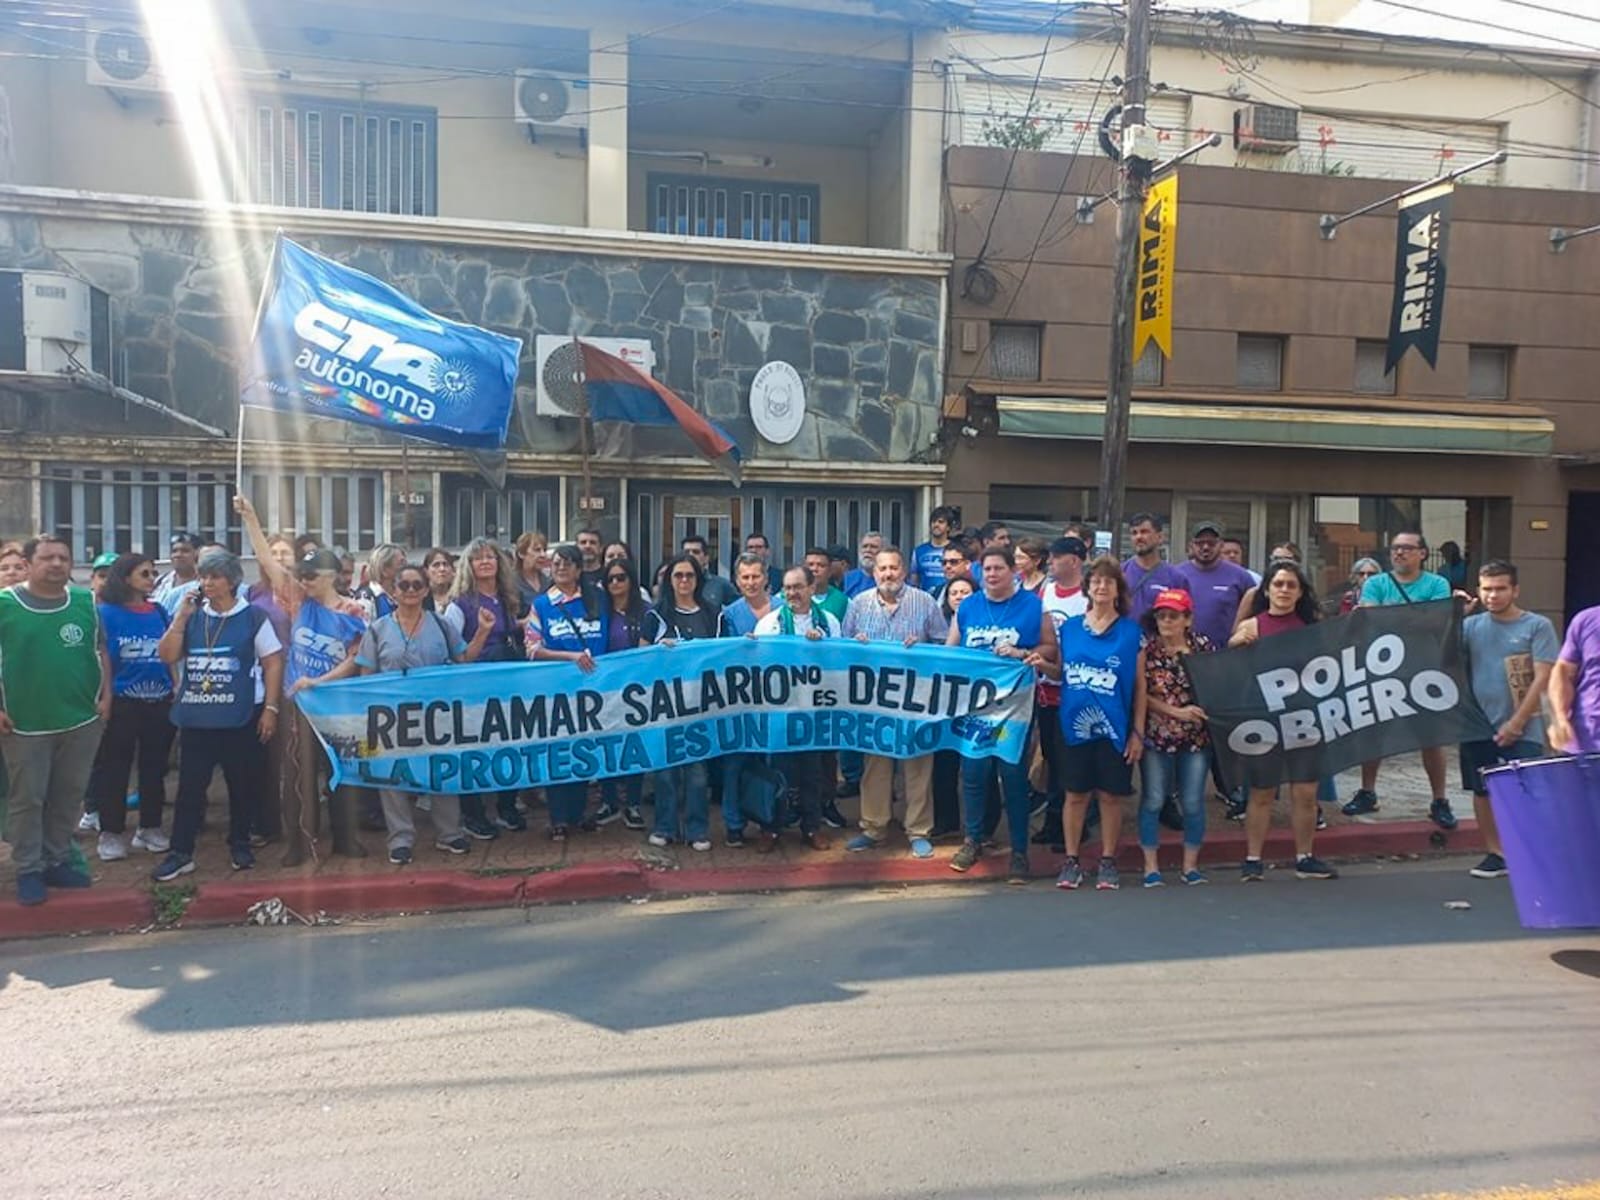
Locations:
column 255, row 329
column 405, row 491
column 584, row 427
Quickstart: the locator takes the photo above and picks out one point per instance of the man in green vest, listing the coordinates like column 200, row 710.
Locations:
column 54, row 693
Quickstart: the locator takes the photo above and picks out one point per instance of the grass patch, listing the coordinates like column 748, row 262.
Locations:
column 172, row 901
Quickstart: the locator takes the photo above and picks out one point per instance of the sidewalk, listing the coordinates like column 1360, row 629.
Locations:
column 520, row 869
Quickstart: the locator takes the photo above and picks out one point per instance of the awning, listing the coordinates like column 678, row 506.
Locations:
column 73, row 383
column 1304, row 428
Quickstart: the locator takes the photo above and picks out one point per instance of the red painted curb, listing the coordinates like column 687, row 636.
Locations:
column 226, row 902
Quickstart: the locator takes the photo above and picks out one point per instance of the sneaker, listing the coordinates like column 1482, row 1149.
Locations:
column 658, row 840
column 173, row 865
column 89, row 823
column 832, row 817
column 511, row 821
column 1071, row 877
column 1252, row 871
column 1322, row 821
column 1439, row 813
column 400, row 855
column 558, row 833
column 1236, row 810
column 455, row 845
column 700, row 845
column 921, row 848
column 65, row 875
column 242, row 858
column 632, row 818
column 112, row 847
column 964, row 858
column 152, row 839
column 1361, row 803
column 1107, row 877
column 1492, row 867
column 479, row 829
column 735, row 840
column 861, row 842
column 258, row 840
column 1312, row 867
column 606, row 814
column 1194, row 877
column 1019, row 871
column 1153, row 879
column 847, row 790
column 31, row 889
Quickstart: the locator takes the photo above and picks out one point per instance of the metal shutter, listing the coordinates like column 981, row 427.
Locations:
column 1072, row 114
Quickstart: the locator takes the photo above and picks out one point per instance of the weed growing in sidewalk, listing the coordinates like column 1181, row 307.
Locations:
column 172, row 901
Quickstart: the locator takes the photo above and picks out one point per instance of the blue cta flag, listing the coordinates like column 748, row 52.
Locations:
column 515, row 725
column 336, row 342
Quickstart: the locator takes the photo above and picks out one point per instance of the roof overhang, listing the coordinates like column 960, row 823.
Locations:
column 76, row 386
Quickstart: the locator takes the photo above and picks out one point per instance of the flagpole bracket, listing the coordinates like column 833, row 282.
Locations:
column 1328, row 225
column 1560, row 237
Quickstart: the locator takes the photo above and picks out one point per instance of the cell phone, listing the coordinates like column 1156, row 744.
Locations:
column 196, row 599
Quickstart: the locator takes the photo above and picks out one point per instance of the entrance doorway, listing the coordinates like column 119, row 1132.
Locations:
column 1583, row 552
column 1260, row 522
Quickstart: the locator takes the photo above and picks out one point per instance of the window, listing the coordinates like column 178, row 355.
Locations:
column 1014, row 350
column 1397, row 146
column 300, row 152
column 477, row 511
column 754, row 210
column 1488, row 373
column 1148, row 367
column 1059, row 118
column 126, row 509
column 342, row 509
column 1371, row 378
column 1260, row 363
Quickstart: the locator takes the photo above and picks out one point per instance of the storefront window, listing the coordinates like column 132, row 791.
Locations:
column 1346, row 528
column 1043, row 511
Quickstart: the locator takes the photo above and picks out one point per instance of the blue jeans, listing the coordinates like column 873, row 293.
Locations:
column 1162, row 771
column 851, row 764
column 622, row 793
column 733, row 818
column 975, row 776
column 683, row 788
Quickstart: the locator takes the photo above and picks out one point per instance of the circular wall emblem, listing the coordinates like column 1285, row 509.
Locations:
column 778, row 402
column 72, row 635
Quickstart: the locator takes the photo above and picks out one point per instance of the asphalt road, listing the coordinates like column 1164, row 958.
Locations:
column 1352, row 1039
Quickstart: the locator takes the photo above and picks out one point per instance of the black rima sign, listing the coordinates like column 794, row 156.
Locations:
column 1419, row 275
column 1302, row 705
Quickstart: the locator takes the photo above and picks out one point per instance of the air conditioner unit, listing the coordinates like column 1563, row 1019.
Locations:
column 1266, row 129
column 551, row 102
column 53, row 324
column 120, row 55
column 557, row 391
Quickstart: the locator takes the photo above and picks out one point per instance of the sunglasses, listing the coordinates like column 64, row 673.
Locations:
column 410, row 585
column 620, row 578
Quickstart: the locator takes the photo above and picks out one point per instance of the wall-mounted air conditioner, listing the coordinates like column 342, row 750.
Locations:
column 53, row 324
column 120, row 56
column 1266, row 129
column 551, row 102
column 557, row 392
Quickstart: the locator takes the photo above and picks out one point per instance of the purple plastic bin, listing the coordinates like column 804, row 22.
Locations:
column 1548, row 813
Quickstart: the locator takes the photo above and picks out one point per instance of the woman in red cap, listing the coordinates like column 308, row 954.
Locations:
column 1176, row 742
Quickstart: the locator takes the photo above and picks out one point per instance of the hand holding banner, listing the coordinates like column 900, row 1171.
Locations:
column 1306, row 704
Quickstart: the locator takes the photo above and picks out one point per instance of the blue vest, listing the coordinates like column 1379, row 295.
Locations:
column 986, row 625
column 218, row 689
column 566, row 625
column 1099, row 675
column 319, row 641
column 132, row 640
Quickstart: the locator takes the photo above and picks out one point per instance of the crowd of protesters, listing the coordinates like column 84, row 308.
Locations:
column 99, row 682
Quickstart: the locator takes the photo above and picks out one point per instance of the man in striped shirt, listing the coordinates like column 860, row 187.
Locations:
column 893, row 612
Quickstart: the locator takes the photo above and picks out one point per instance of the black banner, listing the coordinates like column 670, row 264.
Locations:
column 1419, row 275
column 1306, row 704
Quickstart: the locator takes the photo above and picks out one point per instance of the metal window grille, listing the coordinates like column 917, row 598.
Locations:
column 1371, row 378
column 96, row 509
column 504, row 516
column 1488, row 373
column 1014, row 350
column 342, row 509
column 1260, row 363
column 701, row 206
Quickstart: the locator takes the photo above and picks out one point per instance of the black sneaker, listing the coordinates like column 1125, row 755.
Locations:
column 1252, row 871
column 1236, row 810
column 1439, row 813
column 1322, row 821
column 508, row 818
column 242, row 857
column 400, row 855
column 1312, row 867
column 170, row 867
column 455, row 845
column 832, row 817
column 632, row 818
column 966, row 857
column 1492, row 867
column 606, row 814
column 1361, row 803
column 479, row 829
column 1019, row 872
column 735, row 839
column 847, row 789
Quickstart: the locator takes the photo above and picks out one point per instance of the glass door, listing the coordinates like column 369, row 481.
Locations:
column 1260, row 522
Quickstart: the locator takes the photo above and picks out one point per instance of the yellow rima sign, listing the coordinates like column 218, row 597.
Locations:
column 1158, row 244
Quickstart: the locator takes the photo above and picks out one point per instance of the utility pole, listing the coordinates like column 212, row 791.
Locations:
column 1130, row 216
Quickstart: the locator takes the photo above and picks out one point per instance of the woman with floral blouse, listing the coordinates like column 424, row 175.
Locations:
column 1176, row 742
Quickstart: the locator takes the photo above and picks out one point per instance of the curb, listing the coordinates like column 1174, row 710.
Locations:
column 225, row 902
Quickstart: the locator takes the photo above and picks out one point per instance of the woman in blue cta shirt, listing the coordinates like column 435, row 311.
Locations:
column 1006, row 621
column 140, row 728
column 1102, row 716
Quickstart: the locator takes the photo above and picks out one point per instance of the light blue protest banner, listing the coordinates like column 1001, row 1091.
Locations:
column 513, row 725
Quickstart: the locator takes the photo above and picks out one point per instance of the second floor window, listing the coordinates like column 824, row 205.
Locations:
column 1488, row 373
column 1260, row 363
column 308, row 152
column 754, row 210
column 1014, row 350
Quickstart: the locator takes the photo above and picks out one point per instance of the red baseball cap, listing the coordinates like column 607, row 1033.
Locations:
column 1173, row 598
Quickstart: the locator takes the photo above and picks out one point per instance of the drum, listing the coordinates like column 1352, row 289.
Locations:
column 1548, row 812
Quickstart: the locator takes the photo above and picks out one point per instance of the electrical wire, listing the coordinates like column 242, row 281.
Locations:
column 1554, row 12
column 1441, row 16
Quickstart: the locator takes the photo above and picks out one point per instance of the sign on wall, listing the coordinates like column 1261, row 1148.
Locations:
column 778, row 402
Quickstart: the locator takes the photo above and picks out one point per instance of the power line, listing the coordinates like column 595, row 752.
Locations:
column 1554, row 12
column 1439, row 16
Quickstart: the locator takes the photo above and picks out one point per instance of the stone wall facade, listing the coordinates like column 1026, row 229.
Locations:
column 866, row 345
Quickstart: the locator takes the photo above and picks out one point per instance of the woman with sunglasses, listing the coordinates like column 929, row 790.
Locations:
column 1361, row 570
column 569, row 623
column 439, row 567
column 626, row 609
column 140, row 729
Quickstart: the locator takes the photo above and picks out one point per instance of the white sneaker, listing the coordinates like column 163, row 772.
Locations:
column 112, row 846
column 152, row 840
column 89, row 823
column 657, row 839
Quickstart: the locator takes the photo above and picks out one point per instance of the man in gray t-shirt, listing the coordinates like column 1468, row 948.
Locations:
column 1510, row 654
